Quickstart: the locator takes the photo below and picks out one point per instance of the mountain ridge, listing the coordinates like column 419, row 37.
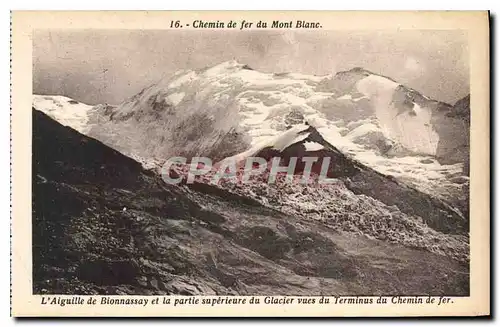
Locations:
column 227, row 109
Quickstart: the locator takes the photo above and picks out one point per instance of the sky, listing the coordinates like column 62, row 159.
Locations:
column 109, row 66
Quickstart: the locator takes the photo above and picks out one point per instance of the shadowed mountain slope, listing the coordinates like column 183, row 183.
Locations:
column 104, row 225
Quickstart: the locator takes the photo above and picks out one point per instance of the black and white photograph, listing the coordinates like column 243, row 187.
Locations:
column 391, row 110
column 274, row 162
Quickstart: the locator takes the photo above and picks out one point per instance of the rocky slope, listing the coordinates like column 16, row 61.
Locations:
column 306, row 141
column 357, row 198
column 104, row 225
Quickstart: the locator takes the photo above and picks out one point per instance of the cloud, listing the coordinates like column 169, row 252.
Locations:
column 72, row 62
column 414, row 66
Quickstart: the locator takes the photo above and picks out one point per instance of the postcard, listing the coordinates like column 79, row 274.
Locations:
column 250, row 163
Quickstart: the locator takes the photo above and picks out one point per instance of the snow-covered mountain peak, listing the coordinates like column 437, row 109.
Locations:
column 67, row 111
column 230, row 109
column 226, row 67
column 229, row 96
